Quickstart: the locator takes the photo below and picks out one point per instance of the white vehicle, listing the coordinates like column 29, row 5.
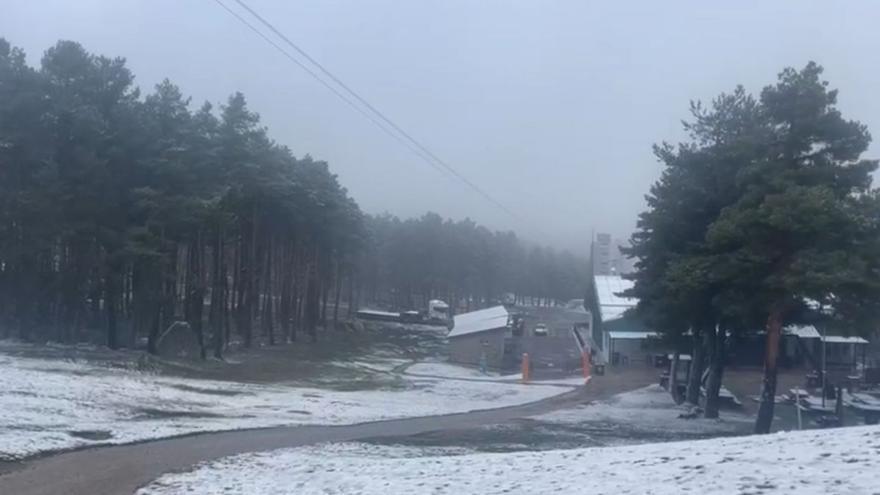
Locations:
column 438, row 312
column 540, row 330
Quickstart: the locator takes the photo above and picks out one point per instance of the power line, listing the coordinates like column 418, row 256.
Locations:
column 341, row 96
column 425, row 153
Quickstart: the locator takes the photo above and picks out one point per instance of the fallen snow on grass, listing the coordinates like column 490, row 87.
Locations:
column 448, row 370
column 840, row 461
column 454, row 371
column 52, row 404
column 648, row 408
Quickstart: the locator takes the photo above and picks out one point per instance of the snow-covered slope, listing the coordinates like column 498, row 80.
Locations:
column 51, row 404
column 840, row 461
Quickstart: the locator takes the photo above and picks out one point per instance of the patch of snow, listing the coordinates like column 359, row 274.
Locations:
column 53, row 404
column 456, row 372
column 650, row 407
column 447, row 370
column 838, row 461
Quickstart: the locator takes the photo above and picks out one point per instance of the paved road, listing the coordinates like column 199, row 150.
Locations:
column 122, row 469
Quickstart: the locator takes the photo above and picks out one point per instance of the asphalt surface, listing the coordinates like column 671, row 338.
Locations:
column 123, row 469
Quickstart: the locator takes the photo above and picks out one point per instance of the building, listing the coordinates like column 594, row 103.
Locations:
column 607, row 257
column 501, row 338
column 621, row 336
column 601, row 254
column 480, row 333
column 812, row 348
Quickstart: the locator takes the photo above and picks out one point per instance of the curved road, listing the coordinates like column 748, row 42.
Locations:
column 123, row 469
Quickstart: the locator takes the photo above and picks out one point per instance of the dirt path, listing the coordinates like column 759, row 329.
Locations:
column 122, row 469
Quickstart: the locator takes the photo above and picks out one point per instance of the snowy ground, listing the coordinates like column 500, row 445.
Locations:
column 641, row 416
column 454, row 371
column 643, row 412
column 439, row 368
column 51, row 404
column 839, row 461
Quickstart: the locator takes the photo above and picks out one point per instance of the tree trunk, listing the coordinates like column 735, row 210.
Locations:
column 351, row 282
column 338, row 287
column 286, row 299
column 716, row 369
column 673, row 378
column 111, row 296
column 195, row 292
column 268, row 319
column 325, row 296
column 312, row 303
column 771, row 354
column 695, row 374
column 218, row 295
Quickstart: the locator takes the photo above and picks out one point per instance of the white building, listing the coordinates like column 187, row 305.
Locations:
column 607, row 257
column 622, row 337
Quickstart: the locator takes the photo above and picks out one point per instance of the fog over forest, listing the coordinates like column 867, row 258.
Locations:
column 550, row 107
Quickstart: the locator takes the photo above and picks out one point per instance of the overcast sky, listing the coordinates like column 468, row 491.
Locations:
column 550, row 106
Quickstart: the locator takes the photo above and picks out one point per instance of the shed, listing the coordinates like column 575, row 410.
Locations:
column 479, row 332
column 839, row 350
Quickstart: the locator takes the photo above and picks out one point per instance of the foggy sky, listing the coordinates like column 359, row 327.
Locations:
column 550, row 106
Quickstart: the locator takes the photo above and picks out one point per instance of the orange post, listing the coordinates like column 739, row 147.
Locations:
column 525, row 367
column 585, row 362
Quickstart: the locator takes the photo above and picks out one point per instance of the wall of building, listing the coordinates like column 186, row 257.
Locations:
column 551, row 352
column 468, row 349
column 629, row 351
column 607, row 258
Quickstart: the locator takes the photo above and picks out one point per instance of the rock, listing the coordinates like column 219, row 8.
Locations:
column 691, row 413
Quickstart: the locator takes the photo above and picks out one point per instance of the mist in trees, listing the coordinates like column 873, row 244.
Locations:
column 408, row 262
column 121, row 213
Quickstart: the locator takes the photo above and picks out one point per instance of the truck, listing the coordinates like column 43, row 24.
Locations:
column 438, row 313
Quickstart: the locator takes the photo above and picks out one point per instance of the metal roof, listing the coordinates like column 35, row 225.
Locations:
column 376, row 312
column 836, row 339
column 810, row 332
column 631, row 335
column 802, row 331
column 479, row 321
column 611, row 305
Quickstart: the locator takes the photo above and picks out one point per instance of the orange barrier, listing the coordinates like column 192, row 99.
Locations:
column 525, row 367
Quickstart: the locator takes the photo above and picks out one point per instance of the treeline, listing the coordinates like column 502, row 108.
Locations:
column 120, row 214
column 408, row 262
column 765, row 217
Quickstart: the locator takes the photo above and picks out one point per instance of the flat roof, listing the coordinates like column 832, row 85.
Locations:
column 377, row 312
column 810, row 332
column 479, row 321
column 802, row 331
column 631, row 335
column 837, row 339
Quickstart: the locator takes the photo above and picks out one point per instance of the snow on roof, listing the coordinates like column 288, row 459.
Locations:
column 836, row 339
column 631, row 335
column 376, row 312
column 479, row 321
column 612, row 306
column 609, row 313
column 802, row 331
column 810, row 332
